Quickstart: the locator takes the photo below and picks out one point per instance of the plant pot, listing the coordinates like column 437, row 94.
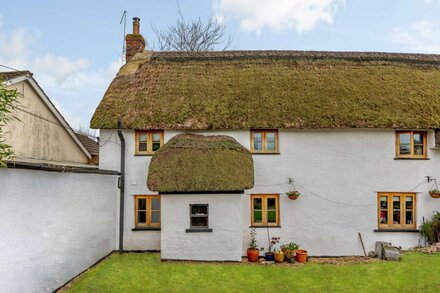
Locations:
column 434, row 194
column 269, row 256
column 279, row 257
column 290, row 254
column 293, row 195
column 253, row 254
column 301, row 255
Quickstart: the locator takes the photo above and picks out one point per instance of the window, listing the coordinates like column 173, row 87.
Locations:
column 264, row 141
column 396, row 210
column 147, row 142
column 411, row 144
column 198, row 214
column 265, row 210
column 147, row 211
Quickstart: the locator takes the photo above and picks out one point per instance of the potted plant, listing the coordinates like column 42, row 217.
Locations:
column 434, row 193
column 290, row 250
column 293, row 195
column 270, row 255
column 253, row 252
column 301, row 255
column 279, row 256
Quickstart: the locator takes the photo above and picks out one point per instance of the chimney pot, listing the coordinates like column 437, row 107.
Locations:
column 136, row 25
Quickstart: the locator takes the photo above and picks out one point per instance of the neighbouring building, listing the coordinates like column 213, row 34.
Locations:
column 214, row 140
column 40, row 134
column 91, row 143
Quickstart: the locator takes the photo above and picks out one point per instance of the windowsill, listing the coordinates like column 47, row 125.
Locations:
column 198, row 230
column 396, row 230
column 146, row 229
column 411, row 158
column 144, row 155
column 265, row 226
column 272, row 153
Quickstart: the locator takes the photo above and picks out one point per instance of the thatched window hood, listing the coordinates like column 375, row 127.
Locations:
column 191, row 163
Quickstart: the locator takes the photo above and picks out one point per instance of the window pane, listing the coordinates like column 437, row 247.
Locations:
column 258, row 141
column 396, row 202
column 199, row 221
column 396, row 217
column 142, row 217
column 383, row 202
column 271, row 203
column 156, row 137
column 405, row 147
column 258, row 216
column 199, row 209
column 409, row 216
column 270, row 144
column 142, row 146
column 155, row 217
column 396, row 209
column 409, row 203
column 272, row 216
column 418, row 138
column 257, row 203
column 418, row 150
column 156, row 146
column 143, row 137
column 142, row 203
column 405, row 138
column 155, row 204
column 383, row 217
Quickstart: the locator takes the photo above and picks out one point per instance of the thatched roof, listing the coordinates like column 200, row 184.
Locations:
column 273, row 89
column 196, row 163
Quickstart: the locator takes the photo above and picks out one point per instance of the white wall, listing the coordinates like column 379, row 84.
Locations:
column 347, row 166
column 225, row 219
column 53, row 226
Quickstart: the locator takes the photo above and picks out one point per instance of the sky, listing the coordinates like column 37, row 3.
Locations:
column 74, row 48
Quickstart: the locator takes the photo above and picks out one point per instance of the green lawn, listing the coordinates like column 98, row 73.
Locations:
column 144, row 272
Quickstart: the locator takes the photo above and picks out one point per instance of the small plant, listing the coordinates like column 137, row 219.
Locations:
column 293, row 194
column 434, row 193
column 430, row 230
column 290, row 246
column 275, row 240
column 253, row 240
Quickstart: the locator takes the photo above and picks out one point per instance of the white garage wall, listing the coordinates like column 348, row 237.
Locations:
column 53, row 226
column 225, row 219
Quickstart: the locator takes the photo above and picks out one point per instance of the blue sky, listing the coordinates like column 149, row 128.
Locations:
column 74, row 47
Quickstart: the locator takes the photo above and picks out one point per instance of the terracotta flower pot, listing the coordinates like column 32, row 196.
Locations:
column 290, row 254
column 279, row 257
column 434, row 194
column 293, row 195
column 253, row 254
column 301, row 255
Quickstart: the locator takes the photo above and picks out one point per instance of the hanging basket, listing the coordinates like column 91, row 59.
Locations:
column 293, row 195
column 434, row 193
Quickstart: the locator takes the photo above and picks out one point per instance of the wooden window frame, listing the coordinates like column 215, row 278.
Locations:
column 264, row 222
column 390, row 224
column 191, row 216
column 148, row 211
column 264, row 141
column 412, row 155
column 149, row 134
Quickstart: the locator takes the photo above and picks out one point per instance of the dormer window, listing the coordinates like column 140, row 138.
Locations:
column 264, row 141
column 148, row 141
column 411, row 144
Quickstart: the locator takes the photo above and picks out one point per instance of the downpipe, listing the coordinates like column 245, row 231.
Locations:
column 121, row 185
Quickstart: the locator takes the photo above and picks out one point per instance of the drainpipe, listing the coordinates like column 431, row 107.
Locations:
column 121, row 188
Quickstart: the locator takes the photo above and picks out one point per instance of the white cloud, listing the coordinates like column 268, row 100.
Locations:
column 70, row 83
column 422, row 36
column 278, row 15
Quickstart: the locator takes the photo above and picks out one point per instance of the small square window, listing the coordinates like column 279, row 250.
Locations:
column 411, row 144
column 147, row 142
column 396, row 210
column 198, row 216
column 147, row 211
column 265, row 210
column 264, row 141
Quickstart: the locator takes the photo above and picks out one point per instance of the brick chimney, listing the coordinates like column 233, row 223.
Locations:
column 134, row 42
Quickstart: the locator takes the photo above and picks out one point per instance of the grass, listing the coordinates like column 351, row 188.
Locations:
column 144, row 272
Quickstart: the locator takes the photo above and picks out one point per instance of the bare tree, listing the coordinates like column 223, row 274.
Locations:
column 193, row 35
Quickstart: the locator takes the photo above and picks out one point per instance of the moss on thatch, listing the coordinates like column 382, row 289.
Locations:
column 197, row 163
column 241, row 90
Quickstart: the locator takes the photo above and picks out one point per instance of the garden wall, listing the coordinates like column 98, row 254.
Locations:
column 53, row 226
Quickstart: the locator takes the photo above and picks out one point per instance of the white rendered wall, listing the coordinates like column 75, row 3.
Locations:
column 53, row 226
column 346, row 166
column 225, row 219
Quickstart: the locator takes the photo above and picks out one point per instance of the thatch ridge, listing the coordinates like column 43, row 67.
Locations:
column 273, row 89
column 196, row 163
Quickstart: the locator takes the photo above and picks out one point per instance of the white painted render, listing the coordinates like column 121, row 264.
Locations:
column 225, row 219
column 339, row 173
column 53, row 226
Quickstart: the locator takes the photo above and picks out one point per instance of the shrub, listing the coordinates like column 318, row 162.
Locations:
column 430, row 230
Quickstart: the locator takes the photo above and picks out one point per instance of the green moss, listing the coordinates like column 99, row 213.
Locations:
column 273, row 93
column 196, row 163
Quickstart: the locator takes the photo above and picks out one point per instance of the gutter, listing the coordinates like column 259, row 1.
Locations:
column 121, row 185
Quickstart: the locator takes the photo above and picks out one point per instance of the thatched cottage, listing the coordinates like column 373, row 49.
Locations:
column 212, row 141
